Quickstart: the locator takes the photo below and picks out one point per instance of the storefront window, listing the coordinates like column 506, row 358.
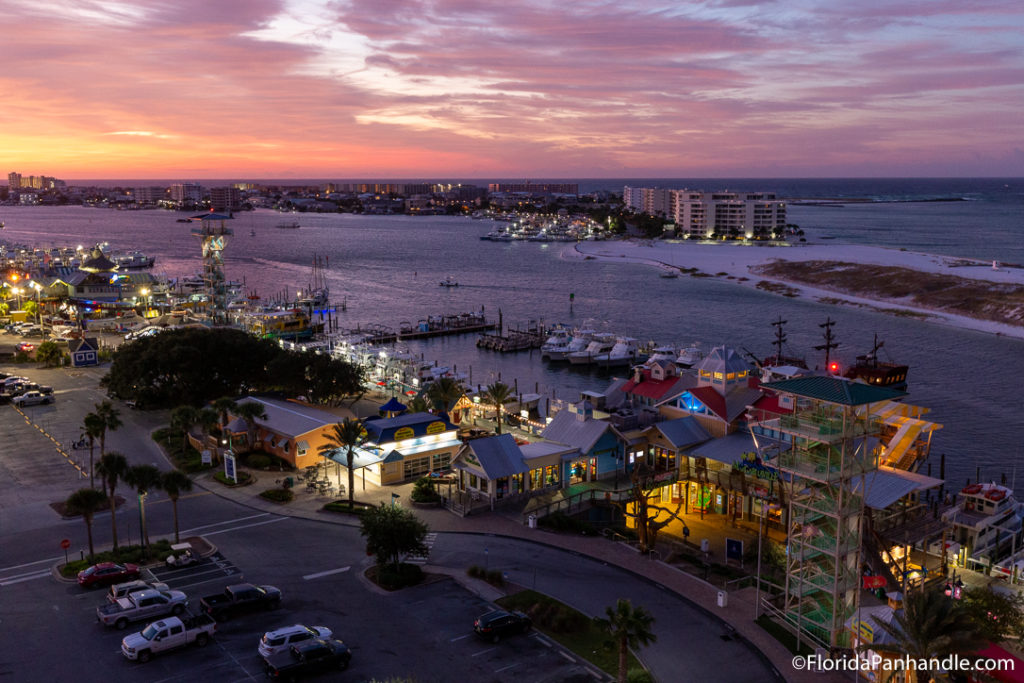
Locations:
column 517, row 483
column 536, row 479
column 551, row 476
column 416, row 467
column 473, row 481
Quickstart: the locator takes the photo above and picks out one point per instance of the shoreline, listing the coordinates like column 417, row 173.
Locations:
column 739, row 264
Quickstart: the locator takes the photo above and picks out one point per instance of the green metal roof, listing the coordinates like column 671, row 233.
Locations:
column 834, row 390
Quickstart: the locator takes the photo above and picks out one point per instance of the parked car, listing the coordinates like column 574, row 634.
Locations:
column 31, row 398
column 496, row 625
column 26, row 347
column 281, row 639
column 106, row 573
column 168, row 634
column 242, row 597
column 312, row 656
column 123, row 590
column 146, row 604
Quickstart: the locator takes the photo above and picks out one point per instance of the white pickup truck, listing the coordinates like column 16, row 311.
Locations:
column 31, row 398
column 168, row 634
column 146, row 604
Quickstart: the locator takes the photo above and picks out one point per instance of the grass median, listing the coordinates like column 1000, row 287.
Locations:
column 571, row 628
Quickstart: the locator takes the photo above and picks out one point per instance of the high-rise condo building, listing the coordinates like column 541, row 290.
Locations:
column 703, row 215
column 535, row 188
column 186, row 192
column 13, row 180
column 225, row 198
column 149, row 195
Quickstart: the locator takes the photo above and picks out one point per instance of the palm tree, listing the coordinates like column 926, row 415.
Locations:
column 183, row 418
column 143, row 478
column 174, row 483
column 931, row 625
column 444, row 391
column 498, row 393
column 629, row 627
column 112, row 467
column 111, row 421
column 348, row 435
column 225, row 405
column 208, row 420
column 418, row 405
column 86, row 502
column 92, row 429
column 250, row 411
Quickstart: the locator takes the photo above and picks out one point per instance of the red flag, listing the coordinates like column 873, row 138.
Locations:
column 870, row 582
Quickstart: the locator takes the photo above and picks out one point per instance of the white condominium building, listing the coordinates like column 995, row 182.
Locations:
column 704, row 215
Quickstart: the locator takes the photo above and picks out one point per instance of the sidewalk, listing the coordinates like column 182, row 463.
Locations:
column 739, row 614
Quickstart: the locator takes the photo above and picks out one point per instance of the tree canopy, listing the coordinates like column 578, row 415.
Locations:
column 392, row 531
column 193, row 366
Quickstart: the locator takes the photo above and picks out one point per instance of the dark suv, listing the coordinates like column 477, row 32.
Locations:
column 495, row 625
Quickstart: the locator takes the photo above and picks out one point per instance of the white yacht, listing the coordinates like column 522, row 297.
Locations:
column 601, row 344
column 625, row 352
column 987, row 524
column 580, row 340
column 689, row 356
column 659, row 353
column 558, row 338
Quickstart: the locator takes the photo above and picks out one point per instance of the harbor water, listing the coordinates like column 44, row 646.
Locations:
column 387, row 269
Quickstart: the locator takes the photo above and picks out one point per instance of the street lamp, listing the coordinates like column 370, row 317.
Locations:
column 145, row 306
column 39, row 314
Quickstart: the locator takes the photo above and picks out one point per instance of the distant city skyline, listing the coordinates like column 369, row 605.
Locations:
column 445, row 89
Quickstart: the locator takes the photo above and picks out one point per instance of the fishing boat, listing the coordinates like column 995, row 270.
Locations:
column 558, row 338
column 987, row 523
column 449, row 282
column 317, row 294
column 601, row 344
column 625, row 352
column 132, row 260
column 580, row 340
column 287, row 324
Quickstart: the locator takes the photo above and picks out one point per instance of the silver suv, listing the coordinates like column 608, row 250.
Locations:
column 281, row 639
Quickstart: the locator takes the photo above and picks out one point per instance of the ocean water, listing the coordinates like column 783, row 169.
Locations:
column 388, row 268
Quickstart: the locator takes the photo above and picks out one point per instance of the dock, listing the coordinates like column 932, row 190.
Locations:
column 514, row 340
column 443, row 325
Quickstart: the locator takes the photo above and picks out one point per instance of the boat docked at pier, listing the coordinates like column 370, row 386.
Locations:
column 317, row 294
column 284, row 324
column 561, row 352
column 601, row 344
column 624, row 353
column 987, row 523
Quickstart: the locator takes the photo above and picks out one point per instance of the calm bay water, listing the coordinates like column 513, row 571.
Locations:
column 388, row 269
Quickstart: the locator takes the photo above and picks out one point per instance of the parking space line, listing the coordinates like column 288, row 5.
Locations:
column 568, row 657
column 459, row 638
column 483, row 652
column 307, row 577
column 505, row 668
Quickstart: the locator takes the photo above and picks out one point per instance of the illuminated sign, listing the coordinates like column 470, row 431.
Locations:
column 404, row 433
column 434, row 428
column 752, row 465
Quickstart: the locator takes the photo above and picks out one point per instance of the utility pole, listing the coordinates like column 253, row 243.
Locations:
column 830, row 342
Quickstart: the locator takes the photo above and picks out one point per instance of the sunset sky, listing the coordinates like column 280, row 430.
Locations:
column 196, row 89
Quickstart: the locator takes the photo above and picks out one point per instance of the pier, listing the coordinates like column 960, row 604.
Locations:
column 515, row 340
column 431, row 326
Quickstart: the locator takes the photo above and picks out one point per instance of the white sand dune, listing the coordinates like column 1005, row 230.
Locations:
column 722, row 260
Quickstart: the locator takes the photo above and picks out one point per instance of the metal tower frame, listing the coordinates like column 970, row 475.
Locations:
column 826, row 447
column 213, row 235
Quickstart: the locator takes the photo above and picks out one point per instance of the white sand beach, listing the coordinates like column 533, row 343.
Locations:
column 735, row 263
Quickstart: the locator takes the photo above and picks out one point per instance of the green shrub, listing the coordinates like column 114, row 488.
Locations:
column 423, row 491
column 476, row 571
column 407, row 575
column 495, row 578
column 278, row 495
column 358, row 509
column 258, row 461
column 243, row 478
column 638, row 676
column 158, row 550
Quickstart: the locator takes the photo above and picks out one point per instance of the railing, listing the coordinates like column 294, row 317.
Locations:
column 577, row 501
column 780, row 617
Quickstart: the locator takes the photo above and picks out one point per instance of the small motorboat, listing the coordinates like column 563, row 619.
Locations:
column 449, row 282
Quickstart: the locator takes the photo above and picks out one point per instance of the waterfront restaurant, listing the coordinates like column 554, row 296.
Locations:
column 599, row 444
column 401, row 448
column 497, row 467
column 292, row 431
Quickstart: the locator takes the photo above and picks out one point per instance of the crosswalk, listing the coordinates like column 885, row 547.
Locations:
column 422, row 559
